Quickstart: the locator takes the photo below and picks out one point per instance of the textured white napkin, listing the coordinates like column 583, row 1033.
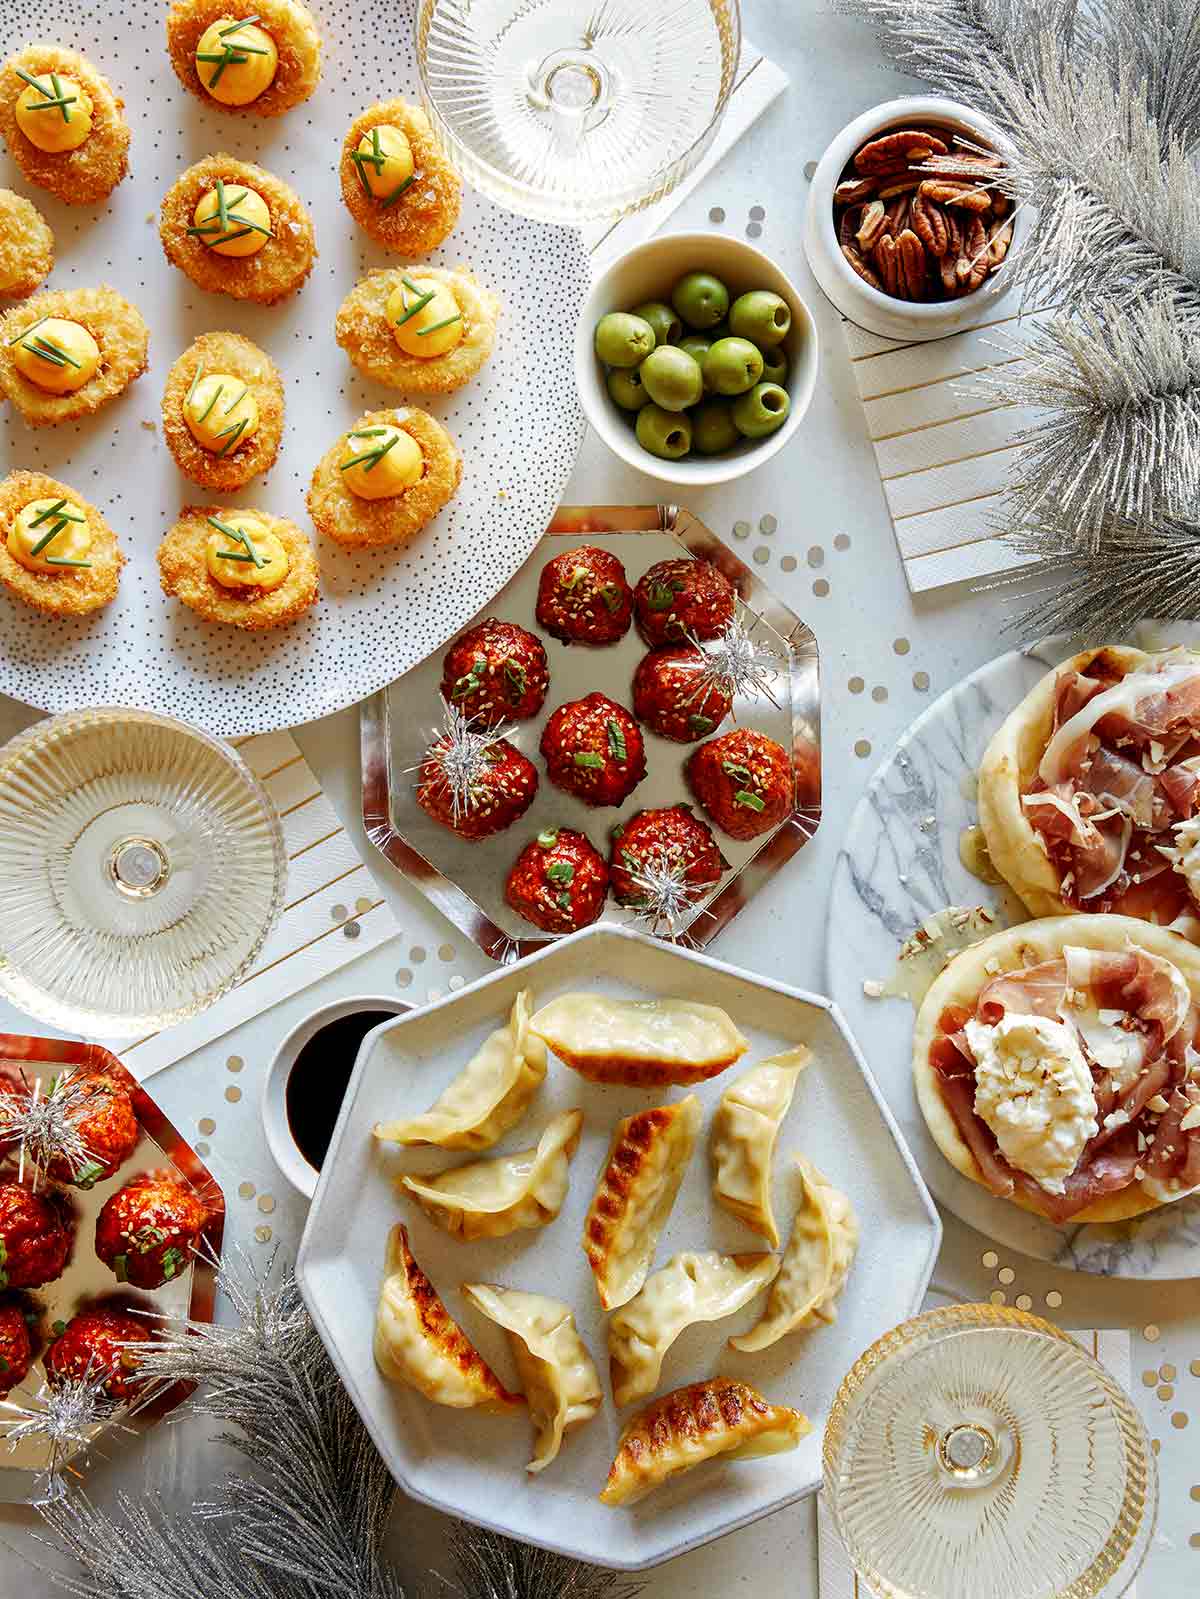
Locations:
column 838, row 1579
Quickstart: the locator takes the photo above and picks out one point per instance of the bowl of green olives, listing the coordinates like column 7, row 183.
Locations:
column 695, row 358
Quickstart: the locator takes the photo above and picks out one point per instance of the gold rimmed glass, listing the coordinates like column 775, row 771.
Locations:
column 576, row 110
column 977, row 1452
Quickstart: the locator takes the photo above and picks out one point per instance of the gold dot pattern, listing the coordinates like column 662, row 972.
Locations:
column 266, row 1203
column 879, row 693
column 1165, row 1391
column 762, row 555
column 1194, row 1368
column 820, row 588
column 1155, row 1445
column 767, row 525
column 921, row 681
column 404, row 978
column 1150, row 1379
column 234, row 1063
column 1167, row 1372
column 998, row 1296
column 901, row 646
column 856, row 685
column 201, row 1147
column 246, row 1190
column 1006, row 1275
column 1054, row 1299
column 207, row 1125
column 339, row 913
column 1194, row 1541
column 416, row 954
column 1152, row 1332
column 1024, row 1302
column 233, row 1093
column 816, row 555
column 362, row 904
column 263, row 1234
column 862, row 748
column 788, row 564
column 446, row 952
column 991, row 1259
column 1179, row 1419
column 1195, row 1491
column 842, row 542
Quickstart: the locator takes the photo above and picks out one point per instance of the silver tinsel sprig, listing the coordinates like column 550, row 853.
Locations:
column 734, row 664
column 492, row 1567
column 63, row 1417
column 458, row 755
column 46, row 1125
column 667, row 900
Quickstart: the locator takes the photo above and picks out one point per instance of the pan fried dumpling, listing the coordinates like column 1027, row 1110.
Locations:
column 742, row 1141
column 418, row 1342
column 491, row 1198
column 690, row 1288
column 649, row 1155
column 643, row 1043
column 488, row 1096
column 562, row 1386
column 694, row 1424
column 815, row 1263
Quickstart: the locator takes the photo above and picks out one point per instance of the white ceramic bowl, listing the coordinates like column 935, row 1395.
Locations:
column 284, row 1150
column 648, row 273
column 871, row 308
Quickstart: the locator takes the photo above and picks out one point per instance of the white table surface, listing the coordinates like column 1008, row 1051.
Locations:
column 874, row 638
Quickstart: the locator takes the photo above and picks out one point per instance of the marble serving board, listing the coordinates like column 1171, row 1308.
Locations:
column 898, row 866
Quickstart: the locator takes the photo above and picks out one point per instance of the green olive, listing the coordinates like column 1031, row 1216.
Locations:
column 667, row 326
column 623, row 340
column 760, row 316
column 667, row 434
column 775, row 365
column 697, row 346
column 671, row 378
column 700, row 299
column 626, row 389
column 732, row 366
column 761, row 411
column 713, row 427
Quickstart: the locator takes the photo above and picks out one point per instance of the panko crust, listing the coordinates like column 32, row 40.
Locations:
column 78, row 177
column 76, row 591
column 273, row 272
column 184, row 573
column 297, row 40
column 362, row 524
column 118, row 329
column 224, row 352
column 26, row 246
column 363, row 332
column 428, row 209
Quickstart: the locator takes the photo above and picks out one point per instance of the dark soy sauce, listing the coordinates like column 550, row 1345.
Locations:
column 319, row 1078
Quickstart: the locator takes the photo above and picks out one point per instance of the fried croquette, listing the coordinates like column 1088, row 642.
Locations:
column 276, row 268
column 366, row 332
column 263, row 58
column 26, row 246
column 243, row 442
column 357, row 521
column 68, row 590
column 99, row 317
column 79, row 173
column 396, row 183
column 184, row 569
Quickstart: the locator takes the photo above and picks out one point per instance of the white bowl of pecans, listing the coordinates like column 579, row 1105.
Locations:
column 908, row 228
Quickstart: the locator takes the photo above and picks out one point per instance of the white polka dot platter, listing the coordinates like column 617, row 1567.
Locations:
column 466, row 879
column 517, row 423
column 899, row 865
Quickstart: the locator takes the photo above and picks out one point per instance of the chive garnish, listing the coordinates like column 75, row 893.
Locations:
column 237, row 536
column 61, row 560
column 372, row 457
column 409, row 284
column 611, row 595
column 373, row 157
column 222, row 204
column 48, row 538
column 237, row 399
column 437, row 326
column 196, row 376
column 48, row 350
column 367, row 433
column 26, row 331
column 235, row 431
column 27, row 77
column 51, row 510
column 50, row 105
column 246, row 22
column 235, row 555
column 417, row 305
column 215, row 397
column 398, row 191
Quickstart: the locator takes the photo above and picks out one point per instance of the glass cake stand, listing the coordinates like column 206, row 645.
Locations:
column 142, row 867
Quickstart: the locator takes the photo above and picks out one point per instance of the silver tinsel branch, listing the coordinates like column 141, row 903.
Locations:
column 308, row 1520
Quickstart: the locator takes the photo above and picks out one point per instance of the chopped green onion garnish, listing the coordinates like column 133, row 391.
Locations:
column 87, row 1177
column 560, row 872
column 515, row 677
column 548, row 837
column 3, row 1279
column 58, row 1328
column 171, row 1262
column 588, row 758
column 611, row 595
column 120, row 1267
column 616, row 740
column 660, row 597
column 700, row 724
column 563, row 901
column 742, row 773
column 750, row 801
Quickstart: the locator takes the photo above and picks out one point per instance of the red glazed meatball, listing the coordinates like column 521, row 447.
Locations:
column 744, row 781
column 584, row 597
column 681, row 597
column 501, row 790
column 496, row 672
column 594, row 750
column 108, row 1126
column 558, row 882
column 673, row 698
column 148, row 1230
column 35, row 1239
column 16, row 1351
column 672, row 838
column 92, row 1344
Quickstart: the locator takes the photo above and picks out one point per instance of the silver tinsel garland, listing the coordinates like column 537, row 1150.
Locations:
column 1102, row 104
column 308, row 1519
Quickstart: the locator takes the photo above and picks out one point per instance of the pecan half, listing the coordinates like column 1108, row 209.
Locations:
column 874, row 221
column 972, row 265
column 860, row 266
column 1000, row 203
column 954, row 238
column 913, row 273
column 848, row 224
column 897, row 213
column 887, row 262
column 999, row 239
column 894, row 186
column 946, row 268
column 854, row 190
column 909, row 144
column 929, row 224
column 951, row 192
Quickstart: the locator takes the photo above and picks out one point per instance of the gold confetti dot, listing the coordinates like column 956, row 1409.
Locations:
column 201, row 1147
column 820, row 588
column 1194, row 1368
column 998, row 1296
column 856, row 685
column 762, row 555
column 1152, row 1332
column 1024, row 1302
column 233, row 1093
column 404, row 978
column 207, row 1125
column 1195, row 1491
column 1179, row 1419
column 901, row 646
column 234, row 1063
column 263, row 1234
column 1006, row 1274
column 921, row 681
column 816, row 555
column 1150, row 1379
column 446, row 952
column 339, row 913
column 991, row 1259
column 416, row 954
column 879, row 694
column 1155, row 1445
column 842, row 542
column 246, row 1190
column 862, row 747
column 1194, row 1541
column 788, row 564
column 1054, row 1299
column 362, row 904
column 266, row 1203
column 1167, row 1372
column 1165, row 1391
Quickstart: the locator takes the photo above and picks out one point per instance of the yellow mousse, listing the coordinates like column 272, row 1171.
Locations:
column 378, row 462
column 54, row 112
column 384, row 160
column 61, row 529
column 236, row 60
column 240, row 552
column 424, row 317
column 232, row 219
column 57, row 355
column 220, row 412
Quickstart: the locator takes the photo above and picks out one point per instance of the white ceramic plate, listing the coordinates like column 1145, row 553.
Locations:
column 472, row 1465
column 518, row 423
column 899, row 864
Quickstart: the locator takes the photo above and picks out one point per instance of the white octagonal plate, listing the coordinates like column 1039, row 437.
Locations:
column 473, row 1465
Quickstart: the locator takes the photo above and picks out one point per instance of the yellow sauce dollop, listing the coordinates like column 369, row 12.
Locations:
column 433, row 330
column 221, row 412
column 59, row 526
column 245, row 573
column 236, row 61
column 384, row 160
column 247, row 220
column 48, row 124
column 57, row 355
column 380, row 461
